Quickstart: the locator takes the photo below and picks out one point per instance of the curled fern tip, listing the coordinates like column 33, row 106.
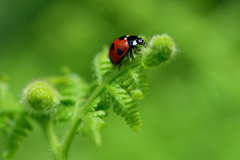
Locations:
column 160, row 49
column 41, row 97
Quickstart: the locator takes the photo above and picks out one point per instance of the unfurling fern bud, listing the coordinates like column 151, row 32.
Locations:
column 160, row 49
column 41, row 97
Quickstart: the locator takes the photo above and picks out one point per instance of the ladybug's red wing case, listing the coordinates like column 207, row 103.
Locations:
column 118, row 50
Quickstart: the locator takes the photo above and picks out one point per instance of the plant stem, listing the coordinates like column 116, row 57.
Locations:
column 50, row 135
column 65, row 146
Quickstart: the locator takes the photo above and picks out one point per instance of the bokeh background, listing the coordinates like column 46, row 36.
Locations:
column 192, row 111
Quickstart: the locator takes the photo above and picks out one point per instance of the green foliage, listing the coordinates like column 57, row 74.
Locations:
column 73, row 93
column 101, row 66
column 13, row 121
column 105, row 102
column 125, row 106
column 136, row 83
column 70, row 99
column 92, row 122
column 91, row 127
column 14, row 130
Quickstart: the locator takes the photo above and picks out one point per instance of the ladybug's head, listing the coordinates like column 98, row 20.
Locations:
column 141, row 41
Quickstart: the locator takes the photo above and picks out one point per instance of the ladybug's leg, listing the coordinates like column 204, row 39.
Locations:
column 136, row 49
column 131, row 55
column 119, row 66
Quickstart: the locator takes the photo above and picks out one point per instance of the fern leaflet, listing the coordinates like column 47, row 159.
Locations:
column 73, row 90
column 14, row 130
column 123, row 104
column 102, row 66
column 91, row 128
column 92, row 123
column 105, row 102
column 135, row 82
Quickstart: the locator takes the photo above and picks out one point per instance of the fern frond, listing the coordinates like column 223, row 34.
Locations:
column 92, row 110
column 99, row 114
column 13, row 121
column 92, row 122
column 94, row 104
column 91, row 128
column 73, row 91
column 72, row 88
column 64, row 114
column 93, row 86
column 125, row 106
column 136, row 83
column 105, row 102
column 14, row 131
column 102, row 66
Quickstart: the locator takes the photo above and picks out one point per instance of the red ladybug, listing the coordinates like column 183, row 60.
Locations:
column 121, row 46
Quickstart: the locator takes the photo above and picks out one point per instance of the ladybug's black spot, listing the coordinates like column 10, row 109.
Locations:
column 112, row 46
column 119, row 51
column 121, row 38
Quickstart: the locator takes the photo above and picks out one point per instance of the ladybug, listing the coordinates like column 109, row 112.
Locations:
column 123, row 45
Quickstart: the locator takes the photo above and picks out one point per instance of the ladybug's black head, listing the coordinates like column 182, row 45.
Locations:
column 141, row 41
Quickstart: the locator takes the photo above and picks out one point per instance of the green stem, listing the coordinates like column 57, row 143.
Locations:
column 71, row 132
column 66, row 144
column 50, row 135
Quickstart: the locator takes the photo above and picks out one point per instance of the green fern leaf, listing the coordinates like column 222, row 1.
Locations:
column 93, row 86
column 99, row 114
column 123, row 104
column 92, row 110
column 92, row 122
column 71, row 88
column 74, row 88
column 13, row 121
column 73, row 91
column 136, row 83
column 91, row 128
column 64, row 113
column 105, row 102
column 14, row 131
column 94, row 104
column 102, row 66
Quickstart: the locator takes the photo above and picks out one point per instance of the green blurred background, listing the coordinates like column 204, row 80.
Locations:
column 192, row 111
